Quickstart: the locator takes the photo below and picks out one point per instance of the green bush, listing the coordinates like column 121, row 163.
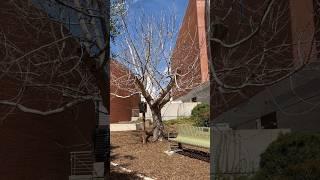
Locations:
column 291, row 156
column 200, row 114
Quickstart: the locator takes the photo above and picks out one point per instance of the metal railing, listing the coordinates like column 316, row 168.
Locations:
column 81, row 163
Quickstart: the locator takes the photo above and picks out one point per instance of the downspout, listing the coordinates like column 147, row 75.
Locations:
column 213, row 152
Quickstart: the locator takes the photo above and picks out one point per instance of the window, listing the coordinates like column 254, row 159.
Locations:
column 268, row 121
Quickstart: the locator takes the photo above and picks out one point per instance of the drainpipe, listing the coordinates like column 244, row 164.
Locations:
column 213, row 152
column 102, row 142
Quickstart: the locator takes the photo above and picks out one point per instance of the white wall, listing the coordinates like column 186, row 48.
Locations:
column 238, row 151
column 174, row 109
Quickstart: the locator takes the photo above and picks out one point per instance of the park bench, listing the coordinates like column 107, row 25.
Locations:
column 190, row 135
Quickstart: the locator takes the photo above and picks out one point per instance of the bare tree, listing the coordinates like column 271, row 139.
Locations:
column 253, row 45
column 47, row 60
column 145, row 50
column 89, row 23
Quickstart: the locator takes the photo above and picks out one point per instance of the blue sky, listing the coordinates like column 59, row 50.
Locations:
column 156, row 6
column 153, row 8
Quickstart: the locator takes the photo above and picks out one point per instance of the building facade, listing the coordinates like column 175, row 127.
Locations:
column 35, row 145
column 123, row 104
column 271, row 100
column 189, row 57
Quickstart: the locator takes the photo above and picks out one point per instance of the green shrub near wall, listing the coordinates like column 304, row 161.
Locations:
column 200, row 114
column 292, row 156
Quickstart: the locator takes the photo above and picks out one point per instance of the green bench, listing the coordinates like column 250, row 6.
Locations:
column 190, row 135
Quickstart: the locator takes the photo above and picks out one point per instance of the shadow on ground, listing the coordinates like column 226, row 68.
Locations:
column 200, row 155
column 116, row 172
column 114, row 156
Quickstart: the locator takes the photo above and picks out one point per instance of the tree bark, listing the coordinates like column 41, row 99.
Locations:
column 144, row 131
column 158, row 125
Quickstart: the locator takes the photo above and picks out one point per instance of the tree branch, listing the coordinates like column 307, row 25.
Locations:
column 264, row 17
column 42, row 113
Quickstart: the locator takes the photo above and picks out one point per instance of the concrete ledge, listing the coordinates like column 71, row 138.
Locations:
column 134, row 118
column 80, row 177
column 123, row 127
column 85, row 177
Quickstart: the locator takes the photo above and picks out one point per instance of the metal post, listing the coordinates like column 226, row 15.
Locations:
column 144, row 120
column 213, row 153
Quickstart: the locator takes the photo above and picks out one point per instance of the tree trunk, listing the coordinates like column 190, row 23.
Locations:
column 158, row 125
column 144, row 132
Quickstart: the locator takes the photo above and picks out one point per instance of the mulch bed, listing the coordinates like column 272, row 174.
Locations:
column 151, row 161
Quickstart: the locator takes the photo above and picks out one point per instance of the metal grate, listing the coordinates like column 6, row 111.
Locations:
column 81, row 163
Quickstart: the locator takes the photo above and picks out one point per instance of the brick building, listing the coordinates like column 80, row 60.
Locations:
column 37, row 146
column 190, row 53
column 123, row 104
column 291, row 31
column 264, row 104
column 293, row 21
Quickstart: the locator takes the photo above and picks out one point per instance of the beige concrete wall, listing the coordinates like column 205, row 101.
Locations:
column 238, row 151
column 173, row 110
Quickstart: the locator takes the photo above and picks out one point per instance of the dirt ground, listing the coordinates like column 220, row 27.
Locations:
column 151, row 161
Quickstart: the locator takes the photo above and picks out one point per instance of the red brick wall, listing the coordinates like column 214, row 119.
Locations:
column 187, row 51
column 316, row 8
column 303, row 27
column 35, row 146
column 121, row 108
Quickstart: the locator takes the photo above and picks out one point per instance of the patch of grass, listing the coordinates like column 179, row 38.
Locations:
column 180, row 121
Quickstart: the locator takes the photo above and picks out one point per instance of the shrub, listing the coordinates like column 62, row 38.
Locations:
column 200, row 114
column 291, row 156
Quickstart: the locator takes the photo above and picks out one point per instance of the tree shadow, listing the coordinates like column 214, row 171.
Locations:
column 114, row 156
column 116, row 172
